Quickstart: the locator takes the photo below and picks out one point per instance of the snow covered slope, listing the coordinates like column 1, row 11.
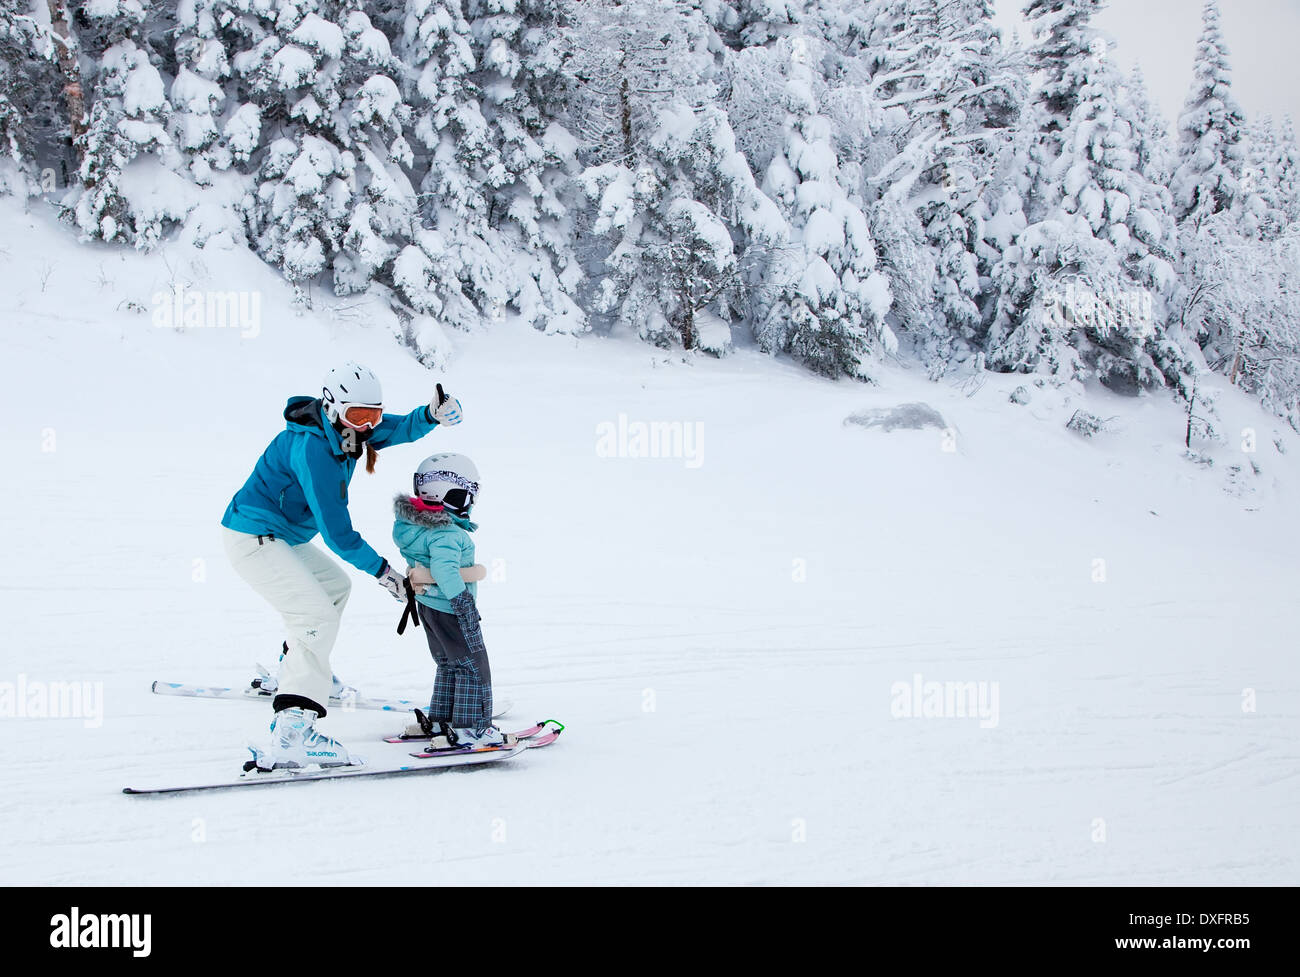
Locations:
column 732, row 636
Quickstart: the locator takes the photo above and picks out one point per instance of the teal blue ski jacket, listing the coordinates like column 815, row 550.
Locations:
column 299, row 487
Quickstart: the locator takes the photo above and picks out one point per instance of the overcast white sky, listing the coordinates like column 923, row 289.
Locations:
column 1263, row 37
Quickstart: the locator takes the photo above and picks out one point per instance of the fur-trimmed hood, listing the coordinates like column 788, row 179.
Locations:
column 405, row 511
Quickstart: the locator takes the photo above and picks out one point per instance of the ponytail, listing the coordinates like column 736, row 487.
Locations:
column 371, row 457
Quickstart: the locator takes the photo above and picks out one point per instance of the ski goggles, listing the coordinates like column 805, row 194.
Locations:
column 452, row 478
column 458, row 500
column 362, row 416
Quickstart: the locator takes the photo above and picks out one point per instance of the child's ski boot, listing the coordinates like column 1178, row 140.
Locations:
column 489, row 737
column 442, row 737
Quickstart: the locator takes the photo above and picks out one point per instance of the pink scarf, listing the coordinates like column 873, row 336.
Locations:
column 423, row 506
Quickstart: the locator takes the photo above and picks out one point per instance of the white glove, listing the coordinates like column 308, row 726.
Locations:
column 445, row 408
column 392, row 581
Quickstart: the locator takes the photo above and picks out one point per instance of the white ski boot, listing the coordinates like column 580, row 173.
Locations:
column 490, row 737
column 443, row 737
column 265, row 683
column 342, row 692
column 268, row 684
column 296, row 743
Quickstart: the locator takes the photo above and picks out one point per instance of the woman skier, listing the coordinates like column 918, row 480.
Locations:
column 299, row 488
column 431, row 529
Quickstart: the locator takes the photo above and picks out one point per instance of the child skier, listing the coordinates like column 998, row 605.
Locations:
column 432, row 530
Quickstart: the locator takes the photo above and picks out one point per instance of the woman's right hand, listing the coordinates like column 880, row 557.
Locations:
column 392, row 581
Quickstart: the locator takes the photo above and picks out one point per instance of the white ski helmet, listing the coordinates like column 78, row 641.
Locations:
column 449, row 480
column 352, row 396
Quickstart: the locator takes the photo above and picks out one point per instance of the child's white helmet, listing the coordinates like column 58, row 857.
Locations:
column 352, row 396
column 449, row 480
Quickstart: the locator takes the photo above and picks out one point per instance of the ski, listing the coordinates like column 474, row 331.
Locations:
column 534, row 735
column 520, row 734
column 254, row 694
column 431, row 764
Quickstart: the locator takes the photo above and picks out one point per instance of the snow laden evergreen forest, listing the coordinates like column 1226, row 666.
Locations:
column 890, row 435
column 842, row 182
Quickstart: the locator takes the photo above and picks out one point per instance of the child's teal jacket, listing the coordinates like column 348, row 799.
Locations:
column 439, row 541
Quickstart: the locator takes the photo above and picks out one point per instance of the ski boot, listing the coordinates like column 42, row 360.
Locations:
column 295, row 743
column 490, row 737
column 267, row 684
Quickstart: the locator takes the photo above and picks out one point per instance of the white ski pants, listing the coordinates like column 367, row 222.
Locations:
column 310, row 591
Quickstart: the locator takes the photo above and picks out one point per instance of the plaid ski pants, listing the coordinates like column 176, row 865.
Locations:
column 462, row 688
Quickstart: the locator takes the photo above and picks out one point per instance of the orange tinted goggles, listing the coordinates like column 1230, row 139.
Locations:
column 362, row 416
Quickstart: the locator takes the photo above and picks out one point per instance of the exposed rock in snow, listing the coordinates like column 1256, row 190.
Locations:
column 908, row 417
